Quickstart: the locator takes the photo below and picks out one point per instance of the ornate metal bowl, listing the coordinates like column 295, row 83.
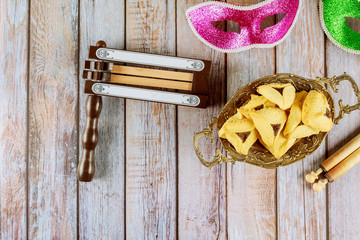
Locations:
column 258, row 155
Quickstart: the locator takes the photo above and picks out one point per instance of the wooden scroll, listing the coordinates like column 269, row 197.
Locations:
column 335, row 159
column 338, row 170
column 341, row 154
column 344, row 166
column 337, row 164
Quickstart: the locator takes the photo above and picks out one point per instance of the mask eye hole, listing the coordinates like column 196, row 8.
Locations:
column 227, row 26
column 354, row 23
column 271, row 20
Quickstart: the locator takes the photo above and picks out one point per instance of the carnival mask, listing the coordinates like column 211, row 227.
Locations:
column 333, row 14
column 201, row 17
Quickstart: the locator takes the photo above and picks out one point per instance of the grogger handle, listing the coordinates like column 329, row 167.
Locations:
column 89, row 139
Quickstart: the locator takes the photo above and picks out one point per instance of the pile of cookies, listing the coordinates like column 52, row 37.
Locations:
column 277, row 117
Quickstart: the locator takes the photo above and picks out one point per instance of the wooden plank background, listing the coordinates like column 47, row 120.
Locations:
column 103, row 197
column 148, row 182
column 13, row 118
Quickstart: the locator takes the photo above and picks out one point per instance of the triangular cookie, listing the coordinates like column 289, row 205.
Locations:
column 269, row 122
column 282, row 94
column 316, row 112
column 294, row 118
column 280, row 146
column 242, row 142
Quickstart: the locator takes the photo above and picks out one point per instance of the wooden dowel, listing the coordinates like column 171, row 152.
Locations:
column 155, row 73
column 151, row 82
column 335, row 159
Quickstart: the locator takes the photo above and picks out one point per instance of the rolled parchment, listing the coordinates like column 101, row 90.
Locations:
column 335, row 159
column 339, row 170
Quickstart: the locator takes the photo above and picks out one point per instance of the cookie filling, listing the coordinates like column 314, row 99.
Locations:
column 280, row 90
column 328, row 113
column 259, row 107
column 243, row 136
column 276, row 128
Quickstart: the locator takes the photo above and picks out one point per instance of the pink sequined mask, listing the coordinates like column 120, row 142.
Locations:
column 201, row 16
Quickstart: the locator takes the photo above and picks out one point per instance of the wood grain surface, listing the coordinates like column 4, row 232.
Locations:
column 202, row 192
column 53, row 129
column 104, row 196
column 344, row 193
column 251, row 190
column 148, row 181
column 13, row 118
column 301, row 212
column 150, row 131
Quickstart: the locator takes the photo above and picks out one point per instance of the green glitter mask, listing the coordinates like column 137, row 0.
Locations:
column 333, row 14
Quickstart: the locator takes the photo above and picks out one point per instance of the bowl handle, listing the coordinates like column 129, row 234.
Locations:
column 333, row 82
column 219, row 157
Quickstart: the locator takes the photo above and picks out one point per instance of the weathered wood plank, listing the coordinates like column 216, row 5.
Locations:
column 13, row 125
column 301, row 212
column 150, row 131
column 344, row 193
column 202, row 192
column 251, row 190
column 101, row 202
column 53, row 119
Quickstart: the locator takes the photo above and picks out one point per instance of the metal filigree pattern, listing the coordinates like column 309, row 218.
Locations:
column 219, row 157
column 334, row 82
column 258, row 155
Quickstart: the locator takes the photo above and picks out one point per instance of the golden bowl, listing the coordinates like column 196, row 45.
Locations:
column 259, row 155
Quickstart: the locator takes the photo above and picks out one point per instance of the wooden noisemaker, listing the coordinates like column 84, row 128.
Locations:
column 119, row 73
column 338, row 170
column 334, row 159
column 89, row 139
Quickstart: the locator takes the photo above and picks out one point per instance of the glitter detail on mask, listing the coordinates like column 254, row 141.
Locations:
column 333, row 14
column 249, row 18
